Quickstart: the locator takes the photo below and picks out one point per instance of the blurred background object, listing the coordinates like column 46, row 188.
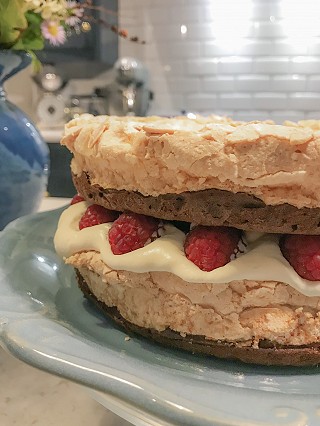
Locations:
column 24, row 156
column 251, row 60
column 52, row 102
column 128, row 92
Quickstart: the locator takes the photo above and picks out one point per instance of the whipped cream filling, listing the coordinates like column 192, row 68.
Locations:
column 263, row 260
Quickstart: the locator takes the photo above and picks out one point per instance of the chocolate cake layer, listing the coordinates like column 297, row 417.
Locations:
column 212, row 207
column 266, row 354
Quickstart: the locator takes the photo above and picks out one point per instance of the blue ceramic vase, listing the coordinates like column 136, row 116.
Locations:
column 24, row 156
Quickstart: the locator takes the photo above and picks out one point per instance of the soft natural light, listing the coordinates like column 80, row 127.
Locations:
column 231, row 21
column 183, row 29
column 301, row 20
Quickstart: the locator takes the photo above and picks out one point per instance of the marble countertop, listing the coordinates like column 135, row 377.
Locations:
column 52, row 135
column 31, row 397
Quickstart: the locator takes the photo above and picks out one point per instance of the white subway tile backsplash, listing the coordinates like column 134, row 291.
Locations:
column 313, row 115
column 306, row 101
column 201, row 102
column 269, row 101
column 305, row 65
column 128, row 21
column 167, row 104
column 202, row 67
column 267, row 29
column 165, row 15
column 178, row 50
column 128, row 49
column 252, row 83
column 267, row 47
column 263, row 10
column 199, row 31
column 286, row 47
column 279, row 117
column 171, row 32
column 214, row 48
column 127, row 5
column 181, row 85
column 288, row 83
column 254, row 47
column 195, row 65
column 313, row 49
column 218, row 111
column 207, row 13
column 234, row 65
column 251, row 115
column 271, row 65
column 313, row 83
column 219, row 84
column 170, row 67
column 185, row 85
column 235, row 101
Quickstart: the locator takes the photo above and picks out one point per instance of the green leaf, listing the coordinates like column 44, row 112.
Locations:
column 33, row 18
column 36, row 64
column 31, row 38
column 12, row 21
column 25, row 44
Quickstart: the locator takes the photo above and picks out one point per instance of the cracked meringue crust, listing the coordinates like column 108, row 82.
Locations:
column 267, row 354
column 155, row 156
column 243, row 320
column 312, row 124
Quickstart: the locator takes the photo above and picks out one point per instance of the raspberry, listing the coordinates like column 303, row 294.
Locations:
column 95, row 214
column 303, row 254
column 211, row 247
column 131, row 231
column 76, row 199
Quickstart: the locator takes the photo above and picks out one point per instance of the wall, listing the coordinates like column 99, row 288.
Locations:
column 84, row 61
column 20, row 91
column 249, row 59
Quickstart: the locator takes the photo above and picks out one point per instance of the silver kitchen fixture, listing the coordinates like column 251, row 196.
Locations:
column 51, row 105
column 128, row 92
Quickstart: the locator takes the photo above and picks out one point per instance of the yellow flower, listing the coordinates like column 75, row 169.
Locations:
column 32, row 4
column 47, row 8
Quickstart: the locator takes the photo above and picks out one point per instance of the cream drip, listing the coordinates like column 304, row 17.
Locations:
column 263, row 260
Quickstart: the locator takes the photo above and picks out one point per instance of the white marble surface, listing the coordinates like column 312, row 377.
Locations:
column 52, row 135
column 30, row 397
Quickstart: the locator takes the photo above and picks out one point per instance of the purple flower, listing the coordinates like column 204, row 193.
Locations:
column 54, row 32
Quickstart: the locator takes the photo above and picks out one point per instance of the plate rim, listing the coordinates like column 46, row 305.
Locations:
column 13, row 325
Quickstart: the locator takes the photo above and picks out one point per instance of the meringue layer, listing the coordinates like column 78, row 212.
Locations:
column 154, row 155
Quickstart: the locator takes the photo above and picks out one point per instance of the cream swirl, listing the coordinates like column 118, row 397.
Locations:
column 263, row 260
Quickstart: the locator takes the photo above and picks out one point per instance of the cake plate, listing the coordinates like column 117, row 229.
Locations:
column 46, row 322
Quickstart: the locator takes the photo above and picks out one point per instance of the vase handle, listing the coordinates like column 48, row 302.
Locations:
column 9, row 65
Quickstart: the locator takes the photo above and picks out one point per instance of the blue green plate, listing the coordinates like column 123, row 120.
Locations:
column 46, row 322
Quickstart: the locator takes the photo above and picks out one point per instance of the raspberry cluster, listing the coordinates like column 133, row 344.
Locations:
column 207, row 247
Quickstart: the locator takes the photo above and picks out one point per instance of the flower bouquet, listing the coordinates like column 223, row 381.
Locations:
column 28, row 24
